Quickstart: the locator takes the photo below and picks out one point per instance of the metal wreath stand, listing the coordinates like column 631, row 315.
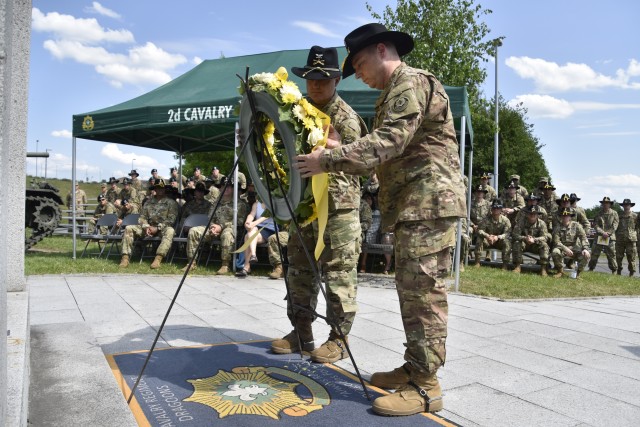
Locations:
column 282, row 208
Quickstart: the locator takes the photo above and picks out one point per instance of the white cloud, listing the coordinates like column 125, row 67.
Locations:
column 119, row 74
column 552, row 77
column 548, row 107
column 67, row 27
column 197, row 60
column 100, row 9
column 141, row 162
column 316, row 28
column 64, row 133
column 544, row 106
column 591, row 190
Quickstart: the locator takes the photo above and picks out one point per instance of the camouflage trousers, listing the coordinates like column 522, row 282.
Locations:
column 542, row 249
column 133, row 232
column 92, row 227
column 464, row 247
column 482, row 244
column 227, row 242
column 337, row 266
column 557, row 254
column 422, row 254
column 609, row 250
column 272, row 246
column 628, row 248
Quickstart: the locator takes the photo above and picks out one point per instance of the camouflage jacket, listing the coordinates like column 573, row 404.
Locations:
column 212, row 195
column 196, row 207
column 570, row 237
column 160, row 213
column 133, row 209
column 112, row 195
column 491, row 193
column 537, row 230
column 551, row 207
column 516, row 203
column 627, row 230
column 500, row 227
column 104, row 210
column 413, row 148
column 344, row 190
column 131, row 194
column 607, row 223
column 479, row 211
column 224, row 214
column 522, row 216
column 366, row 216
column 137, row 184
column 81, row 200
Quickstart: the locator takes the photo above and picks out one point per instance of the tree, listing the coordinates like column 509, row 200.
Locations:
column 451, row 41
column 206, row 161
column 449, row 38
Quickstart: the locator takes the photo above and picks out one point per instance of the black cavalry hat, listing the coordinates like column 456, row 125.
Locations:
column 201, row 186
column 134, row 172
column 574, row 197
column 497, row 204
column 627, row 202
column 113, row 180
column 480, row 188
column 564, row 198
column 158, row 183
column 369, row 34
column 322, row 64
column 606, row 199
column 568, row 212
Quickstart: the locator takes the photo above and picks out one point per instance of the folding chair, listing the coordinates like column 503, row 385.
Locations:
column 194, row 220
column 147, row 242
column 107, row 220
column 118, row 233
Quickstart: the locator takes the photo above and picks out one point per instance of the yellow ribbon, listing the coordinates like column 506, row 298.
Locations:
column 247, row 242
column 320, row 189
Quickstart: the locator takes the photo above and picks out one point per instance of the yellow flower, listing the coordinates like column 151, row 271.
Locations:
column 290, row 93
column 282, row 74
column 309, row 109
column 312, row 217
column 269, row 131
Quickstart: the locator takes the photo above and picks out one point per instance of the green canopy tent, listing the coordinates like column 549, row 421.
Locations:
column 197, row 110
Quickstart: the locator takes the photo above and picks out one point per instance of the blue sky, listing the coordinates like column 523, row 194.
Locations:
column 574, row 64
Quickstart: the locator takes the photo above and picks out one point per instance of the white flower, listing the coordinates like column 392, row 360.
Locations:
column 298, row 111
column 316, row 135
column 290, row 93
column 263, row 78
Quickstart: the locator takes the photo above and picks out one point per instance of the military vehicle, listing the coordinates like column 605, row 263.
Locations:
column 42, row 212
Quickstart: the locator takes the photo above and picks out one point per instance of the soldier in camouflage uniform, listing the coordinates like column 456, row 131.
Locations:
column 606, row 223
column 531, row 236
column 180, row 179
column 221, row 227
column 135, row 182
column 531, row 200
column 127, row 207
column 214, row 192
column 415, row 152
column 569, row 241
column 342, row 237
column 480, row 209
column 158, row 218
column 103, row 208
column 197, row 175
column 494, row 232
column 491, row 194
column 197, row 205
column 521, row 190
column 548, row 202
column 216, row 176
column 114, row 191
column 127, row 192
column 274, row 253
column 581, row 215
column 365, row 214
column 627, row 237
column 513, row 203
column 539, row 191
column 564, row 203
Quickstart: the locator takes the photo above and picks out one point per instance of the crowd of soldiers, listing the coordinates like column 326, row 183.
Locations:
column 551, row 227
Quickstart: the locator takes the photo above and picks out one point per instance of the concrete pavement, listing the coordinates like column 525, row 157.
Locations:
column 560, row 363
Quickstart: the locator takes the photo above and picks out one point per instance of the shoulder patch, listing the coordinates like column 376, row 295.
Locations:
column 400, row 104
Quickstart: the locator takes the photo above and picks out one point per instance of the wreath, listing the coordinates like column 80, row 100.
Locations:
column 290, row 126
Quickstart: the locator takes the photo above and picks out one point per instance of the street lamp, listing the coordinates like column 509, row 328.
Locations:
column 496, row 155
column 132, row 163
column 37, row 140
column 47, row 150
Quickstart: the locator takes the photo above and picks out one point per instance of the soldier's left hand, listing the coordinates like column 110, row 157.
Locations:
column 309, row 164
column 334, row 140
column 152, row 230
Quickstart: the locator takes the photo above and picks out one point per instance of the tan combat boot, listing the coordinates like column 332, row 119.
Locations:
column 277, row 272
column 290, row 344
column 332, row 350
column 476, row 264
column 543, row 271
column 223, row 270
column 559, row 274
column 194, row 267
column 421, row 394
column 156, row 262
column 397, row 378
column 517, row 269
column 461, row 268
column 124, row 262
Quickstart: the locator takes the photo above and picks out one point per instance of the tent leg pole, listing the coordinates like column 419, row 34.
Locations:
column 73, row 196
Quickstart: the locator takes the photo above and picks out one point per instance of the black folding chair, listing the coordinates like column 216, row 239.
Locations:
column 181, row 238
column 107, row 220
column 118, row 233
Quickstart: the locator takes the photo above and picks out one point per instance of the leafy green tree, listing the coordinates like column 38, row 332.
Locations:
column 206, row 161
column 449, row 35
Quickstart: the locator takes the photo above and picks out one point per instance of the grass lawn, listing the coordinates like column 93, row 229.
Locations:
column 53, row 256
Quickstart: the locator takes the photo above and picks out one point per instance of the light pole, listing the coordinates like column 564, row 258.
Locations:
column 47, row 150
column 132, row 160
column 37, row 141
column 496, row 154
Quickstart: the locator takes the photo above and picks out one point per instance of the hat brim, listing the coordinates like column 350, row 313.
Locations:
column 315, row 74
column 625, row 204
column 402, row 41
column 602, row 202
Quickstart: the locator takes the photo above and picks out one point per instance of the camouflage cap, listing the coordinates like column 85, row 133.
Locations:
column 514, row 176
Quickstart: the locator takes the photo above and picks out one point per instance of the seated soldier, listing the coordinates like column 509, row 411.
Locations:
column 113, row 192
column 494, row 232
column 274, row 253
column 569, row 241
column 221, row 227
column 512, row 203
column 197, row 205
column 564, row 203
column 214, row 192
column 127, row 207
column 127, row 192
column 215, row 177
column 104, row 207
column 531, row 236
column 531, row 200
column 158, row 218
column 180, row 179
